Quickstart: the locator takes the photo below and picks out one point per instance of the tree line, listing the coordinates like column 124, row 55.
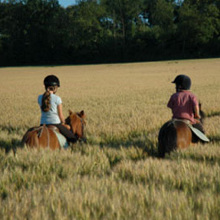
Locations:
column 41, row 32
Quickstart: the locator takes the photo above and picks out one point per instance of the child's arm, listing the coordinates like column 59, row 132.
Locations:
column 196, row 112
column 60, row 113
column 62, row 119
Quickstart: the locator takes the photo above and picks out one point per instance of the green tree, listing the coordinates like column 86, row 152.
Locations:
column 44, row 29
column 30, row 27
column 84, row 30
column 198, row 25
column 42, row 32
column 12, row 22
column 123, row 14
column 125, row 19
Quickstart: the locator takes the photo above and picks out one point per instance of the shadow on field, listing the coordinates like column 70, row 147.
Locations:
column 11, row 145
column 12, row 130
column 208, row 159
column 213, row 114
column 214, row 139
column 136, row 140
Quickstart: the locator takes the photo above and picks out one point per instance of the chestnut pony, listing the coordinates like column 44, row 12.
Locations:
column 45, row 136
column 176, row 134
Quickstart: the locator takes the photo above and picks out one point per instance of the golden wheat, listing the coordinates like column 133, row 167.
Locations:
column 114, row 176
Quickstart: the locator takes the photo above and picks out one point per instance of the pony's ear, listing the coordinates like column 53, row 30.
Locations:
column 70, row 112
column 82, row 114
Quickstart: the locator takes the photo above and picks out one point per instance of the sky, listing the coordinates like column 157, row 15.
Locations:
column 66, row 3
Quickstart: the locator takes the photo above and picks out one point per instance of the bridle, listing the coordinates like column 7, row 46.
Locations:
column 82, row 124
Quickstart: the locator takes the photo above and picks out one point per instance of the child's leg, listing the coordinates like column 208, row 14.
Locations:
column 67, row 133
column 199, row 126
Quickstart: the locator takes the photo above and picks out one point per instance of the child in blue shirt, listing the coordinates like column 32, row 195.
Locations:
column 51, row 108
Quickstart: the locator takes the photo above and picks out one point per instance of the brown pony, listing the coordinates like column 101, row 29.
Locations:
column 45, row 136
column 176, row 134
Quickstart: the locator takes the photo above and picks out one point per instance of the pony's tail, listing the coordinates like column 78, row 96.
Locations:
column 167, row 139
column 30, row 139
column 45, row 105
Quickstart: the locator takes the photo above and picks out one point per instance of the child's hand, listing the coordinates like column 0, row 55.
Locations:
column 196, row 112
column 67, row 126
column 197, row 116
column 197, row 121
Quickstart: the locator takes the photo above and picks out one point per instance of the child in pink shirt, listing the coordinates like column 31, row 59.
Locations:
column 183, row 103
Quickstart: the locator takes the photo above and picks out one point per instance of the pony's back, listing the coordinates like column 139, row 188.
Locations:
column 173, row 135
column 41, row 136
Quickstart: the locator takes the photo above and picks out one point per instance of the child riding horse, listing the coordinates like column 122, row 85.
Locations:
column 51, row 108
column 184, row 104
column 177, row 133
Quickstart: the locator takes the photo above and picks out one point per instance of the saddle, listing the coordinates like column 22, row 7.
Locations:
column 195, row 131
column 62, row 140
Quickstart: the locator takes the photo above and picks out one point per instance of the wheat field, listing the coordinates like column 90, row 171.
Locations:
column 116, row 175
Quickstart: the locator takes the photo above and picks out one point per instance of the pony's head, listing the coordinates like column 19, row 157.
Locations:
column 77, row 124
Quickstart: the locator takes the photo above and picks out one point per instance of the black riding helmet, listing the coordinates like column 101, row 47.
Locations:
column 183, row 82
column 51, row 80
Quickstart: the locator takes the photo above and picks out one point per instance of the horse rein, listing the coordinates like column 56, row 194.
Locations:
column 82, row 127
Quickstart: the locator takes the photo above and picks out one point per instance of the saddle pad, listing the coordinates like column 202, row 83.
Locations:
column 62, row 140
column 198, row 133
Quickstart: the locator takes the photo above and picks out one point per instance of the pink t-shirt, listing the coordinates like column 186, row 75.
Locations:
column 182, row 105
